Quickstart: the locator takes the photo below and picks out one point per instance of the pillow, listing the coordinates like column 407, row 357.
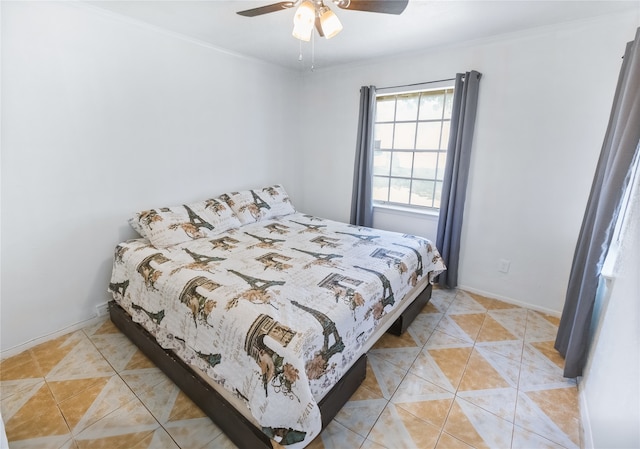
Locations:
column 256, row 205
column 178, row 224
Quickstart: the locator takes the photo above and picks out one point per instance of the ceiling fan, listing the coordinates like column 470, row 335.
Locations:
column 314, row 13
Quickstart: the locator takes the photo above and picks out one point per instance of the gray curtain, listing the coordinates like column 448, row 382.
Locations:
column 456, row 173
column 361, row 195
column 609, row 183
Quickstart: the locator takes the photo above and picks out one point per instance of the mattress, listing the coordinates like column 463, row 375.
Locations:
column 275, row 311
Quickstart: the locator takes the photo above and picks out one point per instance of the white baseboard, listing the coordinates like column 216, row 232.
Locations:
column 102, row 309
column 510, row 300
column 586, row 432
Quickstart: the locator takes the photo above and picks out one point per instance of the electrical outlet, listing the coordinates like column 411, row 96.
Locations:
column 503, row 266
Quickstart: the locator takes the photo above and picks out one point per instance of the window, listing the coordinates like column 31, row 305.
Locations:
column 410, row 149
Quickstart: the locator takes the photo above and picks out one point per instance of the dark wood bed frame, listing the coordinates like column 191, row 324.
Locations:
column 235, row 426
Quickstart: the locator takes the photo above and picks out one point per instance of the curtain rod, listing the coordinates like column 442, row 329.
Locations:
column 415, row 84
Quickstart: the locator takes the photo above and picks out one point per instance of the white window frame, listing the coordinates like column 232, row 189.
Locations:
column 398, row 91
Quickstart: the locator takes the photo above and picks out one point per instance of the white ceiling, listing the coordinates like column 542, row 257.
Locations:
column 424, row 24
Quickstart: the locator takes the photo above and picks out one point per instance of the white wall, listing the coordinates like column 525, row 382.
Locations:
column 545, row 97
column 610, row 390
column 101, row 117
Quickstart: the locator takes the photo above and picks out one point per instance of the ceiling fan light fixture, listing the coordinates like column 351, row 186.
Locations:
column 303, row 21
column 329, row 22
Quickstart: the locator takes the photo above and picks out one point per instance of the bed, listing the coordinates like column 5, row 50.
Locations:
column 262, row 314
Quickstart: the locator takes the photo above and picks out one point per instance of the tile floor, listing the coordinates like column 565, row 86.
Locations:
column 470, row 372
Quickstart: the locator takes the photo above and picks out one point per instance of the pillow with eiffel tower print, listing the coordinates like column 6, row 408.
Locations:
column 259, row 204
column 168, row 226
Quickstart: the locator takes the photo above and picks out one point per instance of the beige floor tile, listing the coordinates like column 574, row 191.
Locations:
column 464, row 304
column 74, row 406
column 539, row 328
column 14, row 394
column 158, row 439
column 65, row 389
column 74, row 358
column 197, row 432
column 82, row 411
column 449, row 326
column 513, row 319
column 125, row 441
column 479, row 374
column 20, row 366
column 368, row 444
column 446, row 441
column 442, row 340
column 401, row 357
column 104, row 327
column 423, row 399
column 561, row 406
column 530, row 416
column 470, row 323
column 38, row 417
column 364, row 393
column 546, row 349
column 336, row 436
column 443, row 367
column 477, row 427
column 490, row 303
column 500, row 401
column 49, row 354
column 129, row 423
column 430, row 308
column 360, row 415
column 494, row 331
column 511, row 349
column 524, row 439
column 387, row 375
column 184, row 408
column 470, row 372
column 220, row 442
column 398, row 428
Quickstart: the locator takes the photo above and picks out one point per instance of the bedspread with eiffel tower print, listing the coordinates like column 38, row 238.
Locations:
column 274, row 311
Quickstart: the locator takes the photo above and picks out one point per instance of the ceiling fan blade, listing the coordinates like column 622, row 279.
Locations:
column 266, row 9
column 381, row 6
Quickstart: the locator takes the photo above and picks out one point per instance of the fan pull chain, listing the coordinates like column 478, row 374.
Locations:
column 313, row 51
column 300, row 54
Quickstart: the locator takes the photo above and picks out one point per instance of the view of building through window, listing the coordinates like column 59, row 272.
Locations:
column 411, row 138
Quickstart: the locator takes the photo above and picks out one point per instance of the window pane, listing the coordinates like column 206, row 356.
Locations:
column 448, row 103
column 422, row 193
column 381, row 162
column 428, row 137
column 410, row 147
column 399, row 190
column 380, row 188
column 436, row 199
column 407, row 107
column 431, row 105
column 444, row 140
column 442, row 161
column 424, row 165
column 401, row 164
column 384, row 136
column 385, row 109
column 405, row 136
